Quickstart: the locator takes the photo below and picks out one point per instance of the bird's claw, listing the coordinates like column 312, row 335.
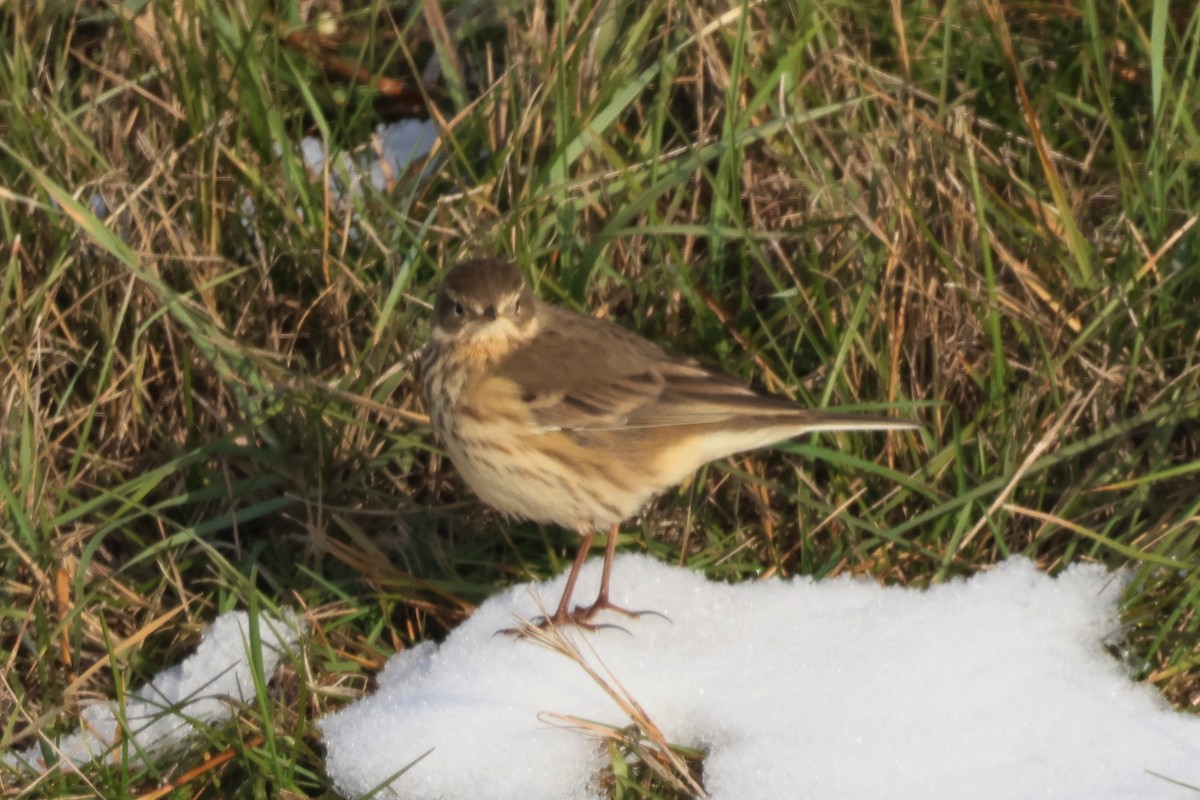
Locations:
column 581, row 617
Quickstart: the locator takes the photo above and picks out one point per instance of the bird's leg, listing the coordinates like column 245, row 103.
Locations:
column 562, row 614
column 610, row 550
column 582, row 614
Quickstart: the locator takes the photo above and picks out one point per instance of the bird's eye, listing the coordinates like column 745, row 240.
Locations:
column 458, row 309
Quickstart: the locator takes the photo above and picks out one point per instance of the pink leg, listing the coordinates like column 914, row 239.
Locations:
column 610, row 550
column 582, row 615
column 562, row 614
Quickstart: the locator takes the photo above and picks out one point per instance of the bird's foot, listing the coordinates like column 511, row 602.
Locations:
column 584, row 614
column 580, row 617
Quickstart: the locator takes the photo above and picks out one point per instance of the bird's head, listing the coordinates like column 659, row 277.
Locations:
column 484, row 303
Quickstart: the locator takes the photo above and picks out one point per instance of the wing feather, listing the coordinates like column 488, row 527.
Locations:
column 583, row 373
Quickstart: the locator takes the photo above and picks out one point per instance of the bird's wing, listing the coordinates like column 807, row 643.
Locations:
column 582, row 373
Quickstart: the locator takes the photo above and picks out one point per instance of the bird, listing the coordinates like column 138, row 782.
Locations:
column 556, row 416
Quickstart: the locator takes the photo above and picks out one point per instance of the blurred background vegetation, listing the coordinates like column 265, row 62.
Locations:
column 977, row 214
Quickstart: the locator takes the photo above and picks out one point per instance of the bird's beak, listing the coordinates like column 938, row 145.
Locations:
column 489, row 313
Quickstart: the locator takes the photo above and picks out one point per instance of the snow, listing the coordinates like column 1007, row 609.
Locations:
column 999, row 686
column 394, row 147
column 205, row 688
column 995, row 687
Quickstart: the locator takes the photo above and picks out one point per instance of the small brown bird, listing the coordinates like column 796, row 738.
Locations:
column 559, row 417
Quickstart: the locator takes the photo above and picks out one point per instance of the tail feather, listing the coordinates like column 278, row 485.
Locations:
column 695, row 447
